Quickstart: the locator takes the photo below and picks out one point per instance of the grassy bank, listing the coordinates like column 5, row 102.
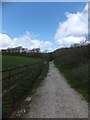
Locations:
column 76, row 77
column 25, row 105
column 30, row 82
column 73, row 63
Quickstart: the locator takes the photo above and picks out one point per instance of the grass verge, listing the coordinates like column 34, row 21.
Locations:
column 77, row 77
column 25, row 105
column 12, row 98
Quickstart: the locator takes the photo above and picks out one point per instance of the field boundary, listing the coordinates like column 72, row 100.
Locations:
column 11, row 76
column 13, row 96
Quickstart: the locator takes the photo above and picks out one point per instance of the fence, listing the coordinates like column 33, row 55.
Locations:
column 11, row 76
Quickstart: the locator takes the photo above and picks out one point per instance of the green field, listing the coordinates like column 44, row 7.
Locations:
column 14, row 61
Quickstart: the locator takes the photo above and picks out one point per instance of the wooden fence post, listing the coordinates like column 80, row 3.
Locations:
column 23, row 72
column 9, row 82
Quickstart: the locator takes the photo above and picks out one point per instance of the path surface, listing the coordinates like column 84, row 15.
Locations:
column 56, row 99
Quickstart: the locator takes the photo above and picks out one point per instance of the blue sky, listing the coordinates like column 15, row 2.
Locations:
column 40, row 19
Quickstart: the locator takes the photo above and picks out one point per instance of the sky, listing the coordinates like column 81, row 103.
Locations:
column 44, row 25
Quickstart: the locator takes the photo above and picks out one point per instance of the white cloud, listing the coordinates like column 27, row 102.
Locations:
column 25, row 40
column 74, row 29
column 5, row 41
column 67, row 41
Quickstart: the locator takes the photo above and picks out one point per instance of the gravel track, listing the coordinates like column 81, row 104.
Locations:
column 56, row 99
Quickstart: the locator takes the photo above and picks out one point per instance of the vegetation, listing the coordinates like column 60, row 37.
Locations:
column 11, row 97
column 9, row 61
column 73, row 63
column 25, row 105
column 31, row 80
column 30, row 55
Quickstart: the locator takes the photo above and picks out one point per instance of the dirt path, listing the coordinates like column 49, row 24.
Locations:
column 56, row 99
